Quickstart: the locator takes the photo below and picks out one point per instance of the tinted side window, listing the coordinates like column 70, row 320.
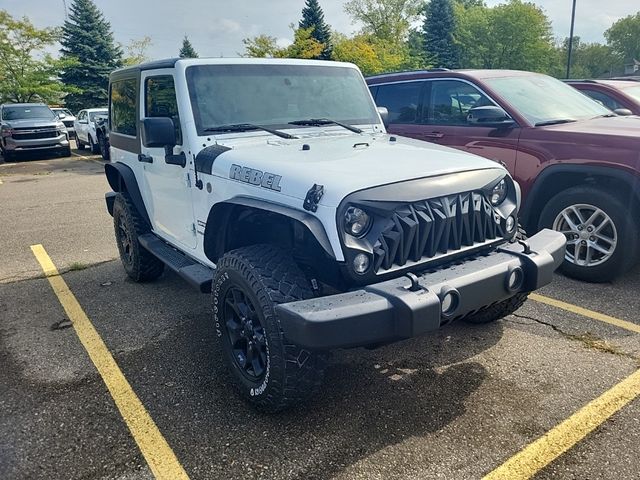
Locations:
column 451, row 101
column 374, row 91
column 604, row 99
column 160, row 100
column 402, row 100
column 123, row 107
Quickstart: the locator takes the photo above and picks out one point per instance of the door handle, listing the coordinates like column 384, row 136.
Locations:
column 145, row 158
column 433, row 135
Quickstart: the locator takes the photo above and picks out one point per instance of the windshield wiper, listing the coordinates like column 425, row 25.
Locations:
column 245, row 127
column 555, row 122
column 316, row 122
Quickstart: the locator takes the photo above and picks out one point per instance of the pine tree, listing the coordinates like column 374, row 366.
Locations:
column 87, row 42
column 439, row 26
column 313, row 17
column 187, row 50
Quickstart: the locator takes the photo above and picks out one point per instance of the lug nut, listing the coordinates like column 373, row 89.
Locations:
column 583, row 242
column 580, row 227
column 590, row 229
column 593, row 239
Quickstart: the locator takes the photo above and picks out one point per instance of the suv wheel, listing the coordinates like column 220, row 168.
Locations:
column 104, row 147
column 94, row 147
column 139, row 264
column 602, row 235
column 270, row 371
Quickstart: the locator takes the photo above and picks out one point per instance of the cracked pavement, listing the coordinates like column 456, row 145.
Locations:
column 455, row 404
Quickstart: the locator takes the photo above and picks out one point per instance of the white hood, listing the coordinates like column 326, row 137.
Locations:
column 344, row 164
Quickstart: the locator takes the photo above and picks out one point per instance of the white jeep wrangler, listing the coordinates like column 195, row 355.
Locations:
column 273, row 185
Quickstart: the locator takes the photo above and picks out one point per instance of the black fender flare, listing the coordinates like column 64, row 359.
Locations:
column 122, row 179
column 219, row 215
column 530, row 204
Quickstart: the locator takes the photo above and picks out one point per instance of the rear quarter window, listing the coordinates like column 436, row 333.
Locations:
column 123, row 107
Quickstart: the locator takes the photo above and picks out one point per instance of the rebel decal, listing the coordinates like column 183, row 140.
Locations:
column 255, row 177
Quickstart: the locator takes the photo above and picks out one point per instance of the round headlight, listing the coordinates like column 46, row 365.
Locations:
column 499, row 193
column 356, row 221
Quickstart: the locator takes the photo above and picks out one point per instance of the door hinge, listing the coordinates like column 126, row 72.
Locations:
column 188, row 180
column 314, row 195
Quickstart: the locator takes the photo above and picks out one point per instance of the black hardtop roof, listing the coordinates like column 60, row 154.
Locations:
column 156, row 64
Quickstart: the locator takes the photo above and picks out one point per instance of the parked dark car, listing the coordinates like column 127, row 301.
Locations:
column 578, row 163
column 615, row 94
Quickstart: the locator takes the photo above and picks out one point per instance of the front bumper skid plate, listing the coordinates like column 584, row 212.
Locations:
column 412, row 305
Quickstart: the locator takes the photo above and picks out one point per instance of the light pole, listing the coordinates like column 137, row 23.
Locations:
column 573, row 21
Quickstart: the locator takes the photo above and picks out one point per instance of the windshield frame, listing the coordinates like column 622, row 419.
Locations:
column 597, row 110
column 200, row 126
column 636, row 92
column 51, row 117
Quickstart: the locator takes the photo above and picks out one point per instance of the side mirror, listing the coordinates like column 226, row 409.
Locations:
column 61, row 116
column 490, row 116
column 83, row 121
column 158, row 132
column 624, row 112
column 384, row 115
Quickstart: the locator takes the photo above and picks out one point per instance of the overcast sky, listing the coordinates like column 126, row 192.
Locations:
column 217, row 27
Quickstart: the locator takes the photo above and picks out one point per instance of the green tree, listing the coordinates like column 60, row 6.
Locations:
column 88, row 44
column 370, row 54
column 513, row 35
column 261, row 46
column 303, row 46
column 386, row 20
column 313, row 18
column 187, row 50
column 137, row 51
column 624, row 37
column 26, row 73
column 588, row 60
column 439, row 27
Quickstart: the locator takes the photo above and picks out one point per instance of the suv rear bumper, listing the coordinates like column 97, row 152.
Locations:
column 405, row 307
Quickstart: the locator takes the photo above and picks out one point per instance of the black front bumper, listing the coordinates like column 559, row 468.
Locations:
column 413, row 305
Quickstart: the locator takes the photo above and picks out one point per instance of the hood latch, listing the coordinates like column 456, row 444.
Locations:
column 314, row 195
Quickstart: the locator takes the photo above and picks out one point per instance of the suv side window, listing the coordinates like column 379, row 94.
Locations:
column 609, row 102
column 160, row 100
column 403, row 100
column 451, row 101
column 123, row 107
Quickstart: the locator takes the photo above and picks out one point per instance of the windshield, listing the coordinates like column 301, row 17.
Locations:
column 540, row 98
column 94, row 115
column 58, row 111
column 27, row 112
column 274, row 95
column 633, row 92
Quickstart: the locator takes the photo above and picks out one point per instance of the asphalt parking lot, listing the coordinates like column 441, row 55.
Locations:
column 454, row 405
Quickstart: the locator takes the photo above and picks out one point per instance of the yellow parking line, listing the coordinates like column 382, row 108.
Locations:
column 561, row 438
column 587, row 313
column 155, row 449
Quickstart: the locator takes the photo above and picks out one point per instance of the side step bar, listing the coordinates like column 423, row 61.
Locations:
column 196, row 274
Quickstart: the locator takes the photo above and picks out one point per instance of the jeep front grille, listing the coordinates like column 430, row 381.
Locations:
column 434, row 228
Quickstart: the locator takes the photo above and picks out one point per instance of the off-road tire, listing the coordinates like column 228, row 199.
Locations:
column 140, row 265
column 621, row 214
column 104, row 148
column 93, row 146
column 501, row 309
column 267, row 276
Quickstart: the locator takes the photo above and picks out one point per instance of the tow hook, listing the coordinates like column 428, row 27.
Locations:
column 314, row 195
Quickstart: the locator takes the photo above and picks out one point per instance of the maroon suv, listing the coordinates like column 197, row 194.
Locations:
column 578, row 164
column 621, row 96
